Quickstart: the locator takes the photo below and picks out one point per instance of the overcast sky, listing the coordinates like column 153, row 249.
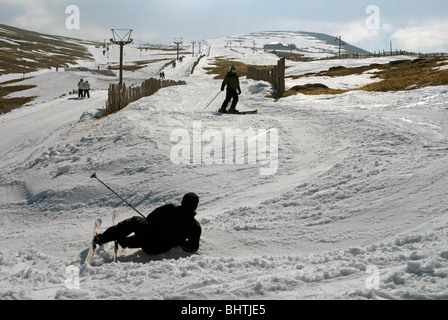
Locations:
column 410, row 24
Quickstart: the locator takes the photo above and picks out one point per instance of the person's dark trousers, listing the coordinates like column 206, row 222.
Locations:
column 231, row 95
column 80, row 93
column 87, row 93
column 119, row 232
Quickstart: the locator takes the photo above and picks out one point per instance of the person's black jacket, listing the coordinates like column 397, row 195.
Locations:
column 232, row 82
column 171, row 225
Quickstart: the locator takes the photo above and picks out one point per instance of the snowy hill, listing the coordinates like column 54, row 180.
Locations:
column 24, row 51
column 347, row 201
column 331, row 40
column 310, row 44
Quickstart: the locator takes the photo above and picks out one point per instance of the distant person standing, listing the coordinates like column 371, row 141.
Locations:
column 86, row 89
column 80, row 88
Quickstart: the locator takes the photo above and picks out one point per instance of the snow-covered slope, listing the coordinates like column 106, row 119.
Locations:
column 355, row 206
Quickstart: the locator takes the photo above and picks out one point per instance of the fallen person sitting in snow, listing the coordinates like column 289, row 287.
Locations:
column 163, row 229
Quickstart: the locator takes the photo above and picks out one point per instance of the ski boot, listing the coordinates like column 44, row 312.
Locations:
column 222, row 110
column 233, row 110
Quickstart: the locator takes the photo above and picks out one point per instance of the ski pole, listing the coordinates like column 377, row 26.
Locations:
column 94, row 176
column 212, row 100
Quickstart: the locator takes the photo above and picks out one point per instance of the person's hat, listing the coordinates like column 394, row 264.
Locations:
column 233, row 67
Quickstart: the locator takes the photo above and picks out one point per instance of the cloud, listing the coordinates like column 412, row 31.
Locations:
column 431, row 37
column 417, row 27
column 425, row 36
column 32, row 15
column 50, row 16
column 358, row 34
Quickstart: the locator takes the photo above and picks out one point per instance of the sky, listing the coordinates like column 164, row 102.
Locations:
column 419, row 26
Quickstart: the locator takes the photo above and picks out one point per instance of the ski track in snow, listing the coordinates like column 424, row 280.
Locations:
column 360, row 186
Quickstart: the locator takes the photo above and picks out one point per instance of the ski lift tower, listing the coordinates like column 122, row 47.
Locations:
column 341, row 43
column 178, row 42
column 121, row 41
column 193, row 43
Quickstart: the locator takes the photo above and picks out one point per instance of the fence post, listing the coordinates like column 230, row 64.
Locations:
column 275, row 76
column 281, row 76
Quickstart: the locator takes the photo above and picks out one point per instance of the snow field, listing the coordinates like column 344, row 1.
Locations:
column 356, row 210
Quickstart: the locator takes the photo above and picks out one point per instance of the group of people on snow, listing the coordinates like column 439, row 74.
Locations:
column 83, row 89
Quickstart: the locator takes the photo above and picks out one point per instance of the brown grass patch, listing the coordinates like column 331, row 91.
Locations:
column 340, row 71
column 409, row 75
column 137, row 65
column 396, row 76
column 221, row 67
column 313, row 89
column 7, row 104
column 27, row 51
column 40, row 51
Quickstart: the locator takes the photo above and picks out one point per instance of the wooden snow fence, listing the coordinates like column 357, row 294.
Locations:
column 121, row 96
column 275, row 76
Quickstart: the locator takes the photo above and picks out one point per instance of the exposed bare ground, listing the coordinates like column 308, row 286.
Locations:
column 30, row 51
column 396, row 75
column 221, row 67
column 137, row 65
column 23, row 51
column 7, row 104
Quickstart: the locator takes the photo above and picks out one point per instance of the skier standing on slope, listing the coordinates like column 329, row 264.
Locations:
column 86, row 89
column 81, row 89
column 163, row 229
column 233, row 90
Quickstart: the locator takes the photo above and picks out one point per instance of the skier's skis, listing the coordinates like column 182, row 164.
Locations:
column 240, row 112
column 91, row 252
column 114, row 215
